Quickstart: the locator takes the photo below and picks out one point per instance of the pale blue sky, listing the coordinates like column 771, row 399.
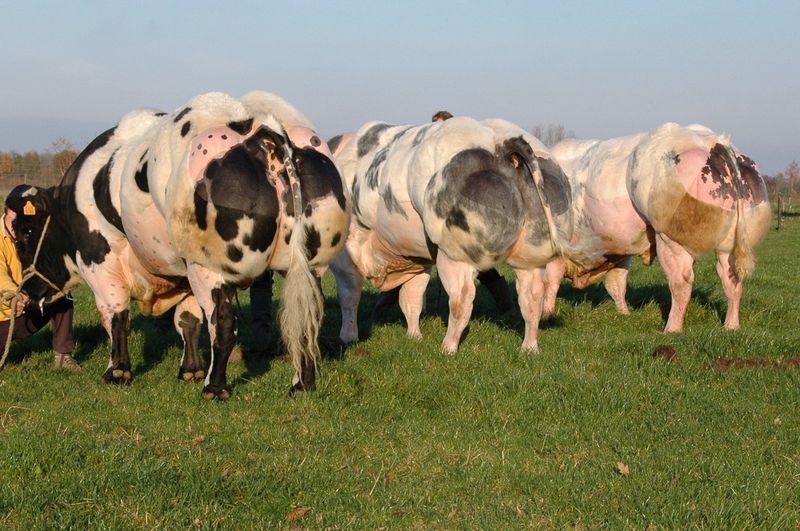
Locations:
column 602, row 69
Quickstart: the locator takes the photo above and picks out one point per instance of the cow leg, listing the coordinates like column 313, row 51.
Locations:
column 412, row 294
column 349, row 283
column 188, row 323
column 112, row 297
column 732, row 286
column 119, row 365
column 214, row 297
column 616, row 283
column 677, row 265
column 530, row 293
column 553, row 273
column 458, row 279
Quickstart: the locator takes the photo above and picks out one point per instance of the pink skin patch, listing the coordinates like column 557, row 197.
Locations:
column 304, row 137
column 209, row 145
column 699, row 185
column 616, row 222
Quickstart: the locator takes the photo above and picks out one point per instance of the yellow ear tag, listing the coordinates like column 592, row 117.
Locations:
column 29, row 209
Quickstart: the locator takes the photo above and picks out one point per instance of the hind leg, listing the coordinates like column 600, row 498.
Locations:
column 349, row 283
column 553, row 273
column 677, row 265
column 616, row 283
column 458, row 279
column 732, row 286
column 412, row 294
column 530, row 293
column 188, row 322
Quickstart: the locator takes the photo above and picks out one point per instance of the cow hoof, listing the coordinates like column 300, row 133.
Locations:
column 117, row 376
column 300, row 388
column 210, row 392
column 189, row 375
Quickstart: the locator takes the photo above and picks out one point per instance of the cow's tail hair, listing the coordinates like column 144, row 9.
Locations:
column 300, row 312
column 745, row 261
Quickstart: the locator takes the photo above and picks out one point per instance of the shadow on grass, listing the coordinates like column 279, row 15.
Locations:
column 638, row 298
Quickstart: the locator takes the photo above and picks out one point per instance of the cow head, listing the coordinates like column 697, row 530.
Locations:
column 40, row 240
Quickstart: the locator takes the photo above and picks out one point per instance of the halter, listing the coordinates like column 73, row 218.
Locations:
column 31, row 271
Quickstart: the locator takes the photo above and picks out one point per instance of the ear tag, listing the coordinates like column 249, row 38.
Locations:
column 29, row 209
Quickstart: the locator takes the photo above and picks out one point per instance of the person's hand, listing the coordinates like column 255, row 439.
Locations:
column 20, row 302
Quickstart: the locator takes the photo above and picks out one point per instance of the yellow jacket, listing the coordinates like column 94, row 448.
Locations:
column 10, row 268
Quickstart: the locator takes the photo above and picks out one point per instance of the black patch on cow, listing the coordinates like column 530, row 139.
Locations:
column 369, row 139
column 400, row 133
column 354, row 198
column 556, row 186
column 313, row 242
column 200, row 210
column 420, row 136
column 475, row 252
column 234, row 253
column 141, row 179
column 391, row 202
column 456, row 218
column 476, row 181
column 718, row 168
column 755, row 188
column 102, row 196
column 69, row 229
column 186, row 127
column 318, row 176
column 181, row 114
column 191, row 328
column 242, row 127
column 373, row 172
column 336, row 239
column 238, row 187
column 334, row 142
column 120, row 369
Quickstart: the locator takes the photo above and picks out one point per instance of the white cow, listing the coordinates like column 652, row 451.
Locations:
column 678, row 192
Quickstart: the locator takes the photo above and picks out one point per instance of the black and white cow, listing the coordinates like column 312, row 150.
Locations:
column 183, row 208
column 460, row 194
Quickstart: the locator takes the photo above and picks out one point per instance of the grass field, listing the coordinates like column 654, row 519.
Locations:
column 594, row 431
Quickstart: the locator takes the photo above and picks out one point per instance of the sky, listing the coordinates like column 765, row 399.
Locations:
column 71, row 69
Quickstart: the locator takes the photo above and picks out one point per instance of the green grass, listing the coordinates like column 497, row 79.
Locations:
column 400, row 436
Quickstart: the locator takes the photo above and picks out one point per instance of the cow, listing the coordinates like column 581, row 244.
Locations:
column 678, row 192
column 460, row 194
column 183, row 208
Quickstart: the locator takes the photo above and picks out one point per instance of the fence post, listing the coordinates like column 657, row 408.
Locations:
column 780, row 211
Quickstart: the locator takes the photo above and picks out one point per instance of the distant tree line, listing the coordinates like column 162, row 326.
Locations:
column 37, row 168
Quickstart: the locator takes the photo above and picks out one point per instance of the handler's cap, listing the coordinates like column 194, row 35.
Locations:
column 19, row 199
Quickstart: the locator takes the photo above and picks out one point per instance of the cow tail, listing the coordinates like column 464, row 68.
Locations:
column 538, row 181
column 300, row 313
column 742, row 248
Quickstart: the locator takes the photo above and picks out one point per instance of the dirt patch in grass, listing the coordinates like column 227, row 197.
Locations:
column 723, row 364
column 666, row 353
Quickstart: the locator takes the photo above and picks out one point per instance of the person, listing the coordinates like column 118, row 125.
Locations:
column 29, row 319
column 491, row 278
